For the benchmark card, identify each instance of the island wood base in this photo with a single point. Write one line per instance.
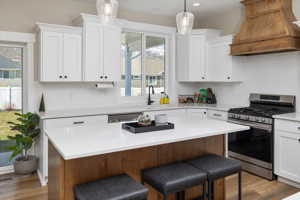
(64, 174)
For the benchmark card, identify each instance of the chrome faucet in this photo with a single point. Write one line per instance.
(149, 97)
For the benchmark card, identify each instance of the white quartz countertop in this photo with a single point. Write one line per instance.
(80, 142)
(128, 109)
(289, 116)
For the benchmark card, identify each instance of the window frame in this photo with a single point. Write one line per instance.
(146, 34)
(23, 47)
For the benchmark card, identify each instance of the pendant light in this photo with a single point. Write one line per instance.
(107, 10)
(185, 21)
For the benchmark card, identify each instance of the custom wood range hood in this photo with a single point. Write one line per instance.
(268, 28)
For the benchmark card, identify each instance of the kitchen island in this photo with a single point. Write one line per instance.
(83, 154)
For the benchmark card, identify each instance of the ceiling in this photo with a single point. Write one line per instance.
(172, 7)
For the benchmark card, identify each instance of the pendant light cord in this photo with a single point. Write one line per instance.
(184, 5)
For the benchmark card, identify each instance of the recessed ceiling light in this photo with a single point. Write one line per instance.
(196, 4)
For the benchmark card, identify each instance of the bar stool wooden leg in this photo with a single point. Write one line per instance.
(240, 185)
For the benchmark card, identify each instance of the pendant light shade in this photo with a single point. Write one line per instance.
(185, 21)
(107, 10)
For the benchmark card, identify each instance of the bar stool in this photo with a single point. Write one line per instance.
(218, 167)
(120, 187)
(174, 178)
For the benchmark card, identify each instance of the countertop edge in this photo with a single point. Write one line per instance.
(65, 157)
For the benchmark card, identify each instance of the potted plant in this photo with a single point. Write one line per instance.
(28, 128)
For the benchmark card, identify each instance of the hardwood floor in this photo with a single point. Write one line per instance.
(254, 188)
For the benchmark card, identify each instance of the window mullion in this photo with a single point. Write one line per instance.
(143, 64)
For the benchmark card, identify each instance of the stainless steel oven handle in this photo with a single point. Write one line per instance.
(252, 124)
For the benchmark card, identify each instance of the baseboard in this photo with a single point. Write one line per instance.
(43, 182)
(289, 182)
(6, 170)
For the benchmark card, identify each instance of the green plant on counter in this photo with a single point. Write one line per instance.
(28, 129)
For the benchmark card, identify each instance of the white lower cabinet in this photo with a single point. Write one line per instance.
(169, 113)
(287, 150)
(215, 114)
(55, 125)
(202, 113)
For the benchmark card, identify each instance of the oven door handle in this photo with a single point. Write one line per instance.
(253, 125)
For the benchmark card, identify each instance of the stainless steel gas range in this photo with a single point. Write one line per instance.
(255, 147)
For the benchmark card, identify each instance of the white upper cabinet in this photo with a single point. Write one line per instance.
(112, 54)
(204, 56)
(60, 53)
(101, 50)
(219, 61)
(191, 55)
(92, 56)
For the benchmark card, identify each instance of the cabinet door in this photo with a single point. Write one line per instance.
(287, 154)
(182, 56)
(112, 54)
(93, 52)
(220, 115)
(51, 56)
(197, 58)
(72, 57)
(219, 61)
(201, 113)
(169, 113)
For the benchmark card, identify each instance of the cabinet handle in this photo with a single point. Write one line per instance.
(101, 77)
(217, 115)
(203, 77)
(299, 140)
(66, 76)
(298, 128)
(228, 78)
(60, 76)
(105, 77)
(80, 122)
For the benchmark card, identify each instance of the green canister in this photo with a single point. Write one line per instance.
(203, 95)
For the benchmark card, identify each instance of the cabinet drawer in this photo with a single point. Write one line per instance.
(177, 112)
(75, 121)
(197, 112)
(289, 126)
(218, 115)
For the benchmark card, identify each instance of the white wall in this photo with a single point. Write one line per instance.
(21, 15)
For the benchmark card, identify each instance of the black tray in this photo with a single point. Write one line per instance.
(136, 128)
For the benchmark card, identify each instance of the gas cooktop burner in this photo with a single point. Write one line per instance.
(262, 108)
(258, 112)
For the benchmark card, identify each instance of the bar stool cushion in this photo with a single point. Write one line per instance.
(173, 178)
(120, 187)
(216, 166)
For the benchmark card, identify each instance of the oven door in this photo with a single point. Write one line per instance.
(254, 145)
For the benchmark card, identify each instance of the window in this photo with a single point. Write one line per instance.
(143, 63)
(11, 66)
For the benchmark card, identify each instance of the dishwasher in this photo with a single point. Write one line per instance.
(127, 117)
